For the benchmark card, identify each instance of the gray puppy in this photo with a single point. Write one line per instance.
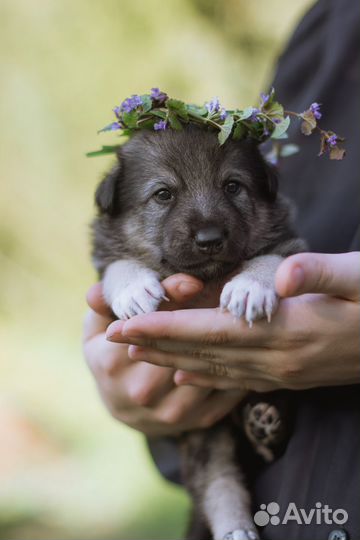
(177, 201)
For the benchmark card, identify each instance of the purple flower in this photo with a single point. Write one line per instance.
(315, 109)
(223, 114)
(160, 126)
(264, 99)
(255, 115)
(114, 126)
(117, 111)
(131, 103)
(158, 95)
(332, 140)
(276, 120)
(213, 106)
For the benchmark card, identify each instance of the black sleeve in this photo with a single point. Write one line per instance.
(321, 464)
(165, 453)
(321, 63)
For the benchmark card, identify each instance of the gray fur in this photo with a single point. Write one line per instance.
(148, 235)
(193, 165)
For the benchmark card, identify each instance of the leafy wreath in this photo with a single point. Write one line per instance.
(269, 120)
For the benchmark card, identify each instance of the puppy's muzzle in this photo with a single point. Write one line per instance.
(210, 240)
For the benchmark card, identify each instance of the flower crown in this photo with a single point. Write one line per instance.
(157, 111)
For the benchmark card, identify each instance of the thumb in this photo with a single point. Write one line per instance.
(180, 288)
(337, 275)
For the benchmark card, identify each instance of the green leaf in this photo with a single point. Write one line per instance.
(130, 118)
(309, 123)
(175, 104)
(280, 137)
(148, 123)
(280, 129)
(179, 107)
(103, 151)
(159, 113)
(226, 129)
(289, 150)
(197, 111)
(256, 131)
(337, 153)
(174, 121)
(146, 102)
(239, 131)
(323, 145)
(127, 132)
(275, 110)
(246, 113)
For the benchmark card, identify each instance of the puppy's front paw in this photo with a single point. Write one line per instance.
(244, 296)
(138, 297)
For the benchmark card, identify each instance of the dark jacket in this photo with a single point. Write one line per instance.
(322, 461)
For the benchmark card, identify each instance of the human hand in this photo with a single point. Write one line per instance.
(142, 395)
(312, 341)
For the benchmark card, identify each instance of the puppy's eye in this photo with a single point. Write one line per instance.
(232, 187)
(163, 195)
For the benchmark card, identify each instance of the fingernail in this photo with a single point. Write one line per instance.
(188, 288)
(181, 377)
(113, 335)
(297, 277)
(135, 352)
(114, 330)
(131, 332)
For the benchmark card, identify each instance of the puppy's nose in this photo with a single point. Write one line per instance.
(209, 239)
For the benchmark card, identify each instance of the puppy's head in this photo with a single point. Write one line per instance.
(181, 202)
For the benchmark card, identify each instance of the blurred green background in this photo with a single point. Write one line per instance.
(67, 470)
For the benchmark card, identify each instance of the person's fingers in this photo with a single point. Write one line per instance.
(203, 380)
(180, 288)
(216, 406)
(180, 403)
(103, 357)
(207, 326)
(242, 384)
(220, 362)
(95, 300)
(94, 324)
(168, 359)
(142, 385)
(336, 275)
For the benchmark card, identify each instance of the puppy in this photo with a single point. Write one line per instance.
(177, 201)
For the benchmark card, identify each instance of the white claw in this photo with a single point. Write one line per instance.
(137, 298)
(244, 296)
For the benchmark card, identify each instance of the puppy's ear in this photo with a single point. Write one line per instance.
(272, 181)
(265, 174)
(107, 193)
(269, 175)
